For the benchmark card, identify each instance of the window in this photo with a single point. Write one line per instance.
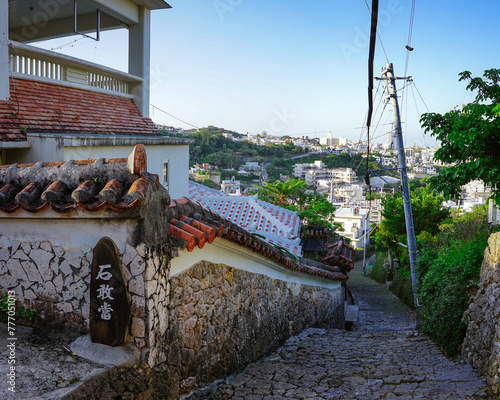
(165, 173)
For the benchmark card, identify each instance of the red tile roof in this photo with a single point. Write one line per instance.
(339, 254)
(120, 184)
(49, 108)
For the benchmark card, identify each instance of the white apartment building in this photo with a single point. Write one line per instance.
(335, 175)
(333, 141)
(313, 173)
(299, 170)
(355, 222)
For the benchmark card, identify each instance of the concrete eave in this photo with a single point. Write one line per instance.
(15, 145)
(77, 140)
(153, 4)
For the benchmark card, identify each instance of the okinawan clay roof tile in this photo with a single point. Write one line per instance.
(33, 188)
(39, 107)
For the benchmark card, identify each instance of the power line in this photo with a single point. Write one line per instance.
(410, 33)
(178, 119)
(408, 47)
(418, 112)
(421, 98)
(331, 130)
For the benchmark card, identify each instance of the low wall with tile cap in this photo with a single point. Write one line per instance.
(481, 346)
(222, 318)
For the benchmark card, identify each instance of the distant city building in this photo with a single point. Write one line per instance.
(333, 141)
(299, 170)
(251, 166)
(231, 187)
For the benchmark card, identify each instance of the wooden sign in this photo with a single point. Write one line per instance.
(109, 305)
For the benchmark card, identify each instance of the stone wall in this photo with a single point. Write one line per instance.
(55, 282)
(222, 318)
(481, 346)
(52, 280)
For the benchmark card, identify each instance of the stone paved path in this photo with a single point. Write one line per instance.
(383, 357)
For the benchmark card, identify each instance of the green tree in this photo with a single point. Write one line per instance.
(470, 138)
(427, 215)
(312, 209)
(281, 193)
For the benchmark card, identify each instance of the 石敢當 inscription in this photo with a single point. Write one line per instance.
(109, 305)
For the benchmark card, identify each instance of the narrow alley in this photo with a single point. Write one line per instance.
(382, 357)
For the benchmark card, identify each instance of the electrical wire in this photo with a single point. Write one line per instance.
(421, 98)
(418, 112)
(69, 44)
(408, 47)
(178, 119)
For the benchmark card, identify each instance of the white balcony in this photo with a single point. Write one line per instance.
(29, 62)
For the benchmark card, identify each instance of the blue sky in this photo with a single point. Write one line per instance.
(296, 68)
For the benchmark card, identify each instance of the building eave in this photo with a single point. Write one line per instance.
(79, 140)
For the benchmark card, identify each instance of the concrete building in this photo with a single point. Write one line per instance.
(299, 170)
(335, 175)
(231, 187)
(330, 140)
(355, 223)
(54, 107)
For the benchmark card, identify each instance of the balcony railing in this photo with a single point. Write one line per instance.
(43, 65)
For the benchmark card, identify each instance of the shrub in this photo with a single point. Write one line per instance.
(381, 271)
(402, 287)
(444, 292)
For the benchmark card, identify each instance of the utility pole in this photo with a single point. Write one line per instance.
(390, 82)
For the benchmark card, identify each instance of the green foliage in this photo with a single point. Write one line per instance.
(381, 271)
(444, 292)
(419, 182)
(312, 209)
(211, 146)
(427, 215)
(470, 138)
(402, 287)
(466, 226)
(448, 269)
(282, 194)
(27, 313)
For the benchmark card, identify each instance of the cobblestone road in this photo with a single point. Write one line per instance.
(383, 357)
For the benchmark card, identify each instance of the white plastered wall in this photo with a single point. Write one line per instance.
(224, 252)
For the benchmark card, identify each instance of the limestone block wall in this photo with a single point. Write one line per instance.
(157, 296)
(55, 282)
(51, 279)
(222, 318)
(481, 346)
